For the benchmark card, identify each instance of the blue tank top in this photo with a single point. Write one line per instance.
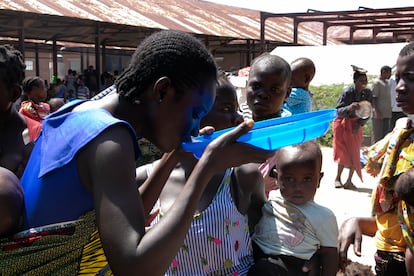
(52, 186)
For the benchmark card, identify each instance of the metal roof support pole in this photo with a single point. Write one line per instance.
(374, 35)
(249, 52)
(351, 35)
(54, 57)
(394, 37)
(295, 31)
(262, 31)
(82, 65)
(37, 59)
(98, 57)
(103, 56)
(21, 35)
(325, 33)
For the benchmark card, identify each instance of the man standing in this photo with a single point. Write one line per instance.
(381, 121)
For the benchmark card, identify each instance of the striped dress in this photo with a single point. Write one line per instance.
(217, 242)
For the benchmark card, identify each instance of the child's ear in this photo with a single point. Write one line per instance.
(289, 89)
(307, 78)
(16, 92)
(273, 173)
(162, 87)
(320, 178)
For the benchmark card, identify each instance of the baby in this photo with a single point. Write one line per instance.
(293, 227)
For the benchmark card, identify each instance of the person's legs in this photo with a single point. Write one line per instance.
(348, 184)
(338, 183)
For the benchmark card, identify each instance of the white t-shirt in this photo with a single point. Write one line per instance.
(294, 230)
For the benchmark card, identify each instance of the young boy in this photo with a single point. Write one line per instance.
(267, 89)
(293, 227)
(300, 98)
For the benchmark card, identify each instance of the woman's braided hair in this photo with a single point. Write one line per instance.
(30, 82)
(173, 54)
(12, 66)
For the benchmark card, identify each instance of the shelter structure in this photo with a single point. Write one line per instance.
(96, 28)
(104, 33)
(362, 26)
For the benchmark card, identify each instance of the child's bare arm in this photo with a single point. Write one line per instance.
(409, 261)
(329, 260)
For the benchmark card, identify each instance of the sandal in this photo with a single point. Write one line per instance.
(338, 184)
(350, 186)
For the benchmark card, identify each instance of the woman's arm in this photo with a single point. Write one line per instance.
(120, 209)
(351, 232)
(251, 195)
(409, 261)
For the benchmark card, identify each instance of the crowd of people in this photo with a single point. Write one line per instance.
(73, 199)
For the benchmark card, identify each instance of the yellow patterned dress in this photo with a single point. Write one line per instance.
(390, 157)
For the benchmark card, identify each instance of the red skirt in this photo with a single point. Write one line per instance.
(347, 143)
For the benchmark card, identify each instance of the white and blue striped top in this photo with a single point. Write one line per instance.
(217, 242)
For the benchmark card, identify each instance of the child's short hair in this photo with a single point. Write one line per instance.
(307, 64)
(279, 64)
(311, 146)
(12, 66)
(223, 83)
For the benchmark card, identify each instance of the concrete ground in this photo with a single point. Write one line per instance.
(347, 203)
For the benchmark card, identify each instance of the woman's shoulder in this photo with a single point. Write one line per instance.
(348, 89)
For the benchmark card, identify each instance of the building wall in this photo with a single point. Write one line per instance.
(81, 58)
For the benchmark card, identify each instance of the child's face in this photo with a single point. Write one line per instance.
(266, 91)
(298, 175)
(404, 77)
(224, 112)
(38, 93)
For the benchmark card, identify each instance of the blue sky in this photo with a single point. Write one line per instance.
(278, 6)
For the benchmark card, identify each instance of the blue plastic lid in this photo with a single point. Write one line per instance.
(274, 133)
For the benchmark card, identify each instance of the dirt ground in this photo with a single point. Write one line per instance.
(347, 203)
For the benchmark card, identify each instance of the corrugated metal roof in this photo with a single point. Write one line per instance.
(123, 23)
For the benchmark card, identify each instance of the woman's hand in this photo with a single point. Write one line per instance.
(224, 152)
(351, 232)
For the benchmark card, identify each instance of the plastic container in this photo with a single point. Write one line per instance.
(364, 110)
(274, 133)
